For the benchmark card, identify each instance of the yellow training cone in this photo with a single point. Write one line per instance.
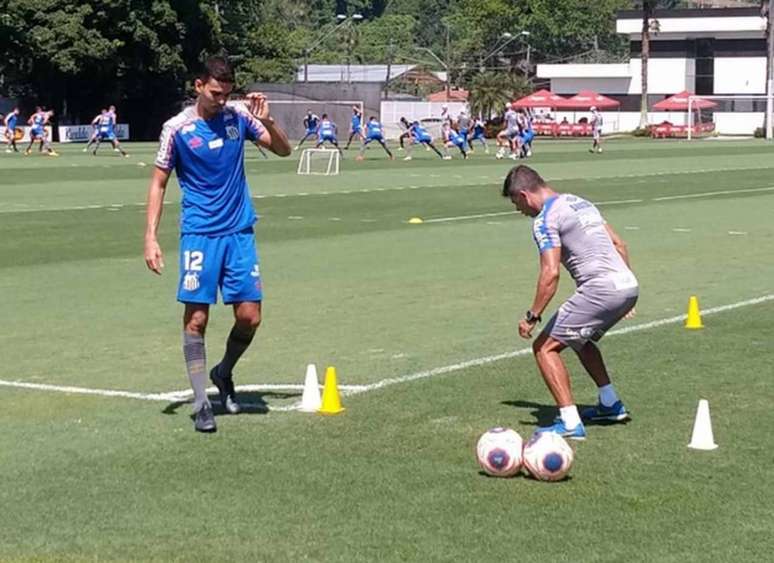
(694, 316)
(331, 402)
(416, 221)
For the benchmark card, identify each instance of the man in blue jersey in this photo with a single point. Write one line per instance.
(478, 133)
(356, 128)
(326, 133)
(95, 129)
(106, 131)
(420, 135)
(37, 123)
(311, 123)
(374, 132)
(10, 122)
(451, 138)
(204, 145)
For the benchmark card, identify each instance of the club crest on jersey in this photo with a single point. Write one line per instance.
(232, 133)
(195, 142)
(191, 281)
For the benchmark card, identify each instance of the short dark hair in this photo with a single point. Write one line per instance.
(520, 178)
(325, 116)
(217, 67)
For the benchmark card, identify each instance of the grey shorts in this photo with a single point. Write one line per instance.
(589, 313)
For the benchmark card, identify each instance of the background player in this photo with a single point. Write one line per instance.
(95, 129)
(452, 139)
(37, 123)
(326, 132)
(311, 122)
(204, 144)
(10, 129)
(420, 135)
(374, 132)
(356, 126)
(596, 130)
(571, 231)
(107, 132)
(505, 138)
(406, 135)
(478, 133)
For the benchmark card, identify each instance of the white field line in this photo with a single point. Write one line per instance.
(441, 185)
(357, 389)
(612, 202)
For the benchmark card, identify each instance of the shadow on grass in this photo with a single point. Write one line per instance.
(252, 402)
(544, 415)
(527, 476)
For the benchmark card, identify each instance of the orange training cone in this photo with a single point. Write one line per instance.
(694, 316)
(331, 402)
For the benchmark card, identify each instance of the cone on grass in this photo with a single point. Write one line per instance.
(331, 402)
(310, 401)
(702, 438)
(694, 316)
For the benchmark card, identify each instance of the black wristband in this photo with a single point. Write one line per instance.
(532, 318)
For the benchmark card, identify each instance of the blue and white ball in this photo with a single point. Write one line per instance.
(548, 456)
(499, 452)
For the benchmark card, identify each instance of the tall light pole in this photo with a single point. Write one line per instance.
(770, 72)
(342, 19)
(354, 18)
(509, 37)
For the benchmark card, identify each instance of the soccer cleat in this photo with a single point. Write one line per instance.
(616, 412)
(447, 157)
(204, 420)
(558, 427)
(407, 158)
(226, 390)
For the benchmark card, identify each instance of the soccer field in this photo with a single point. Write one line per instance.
(420, 322)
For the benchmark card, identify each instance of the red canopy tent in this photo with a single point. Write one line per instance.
(541, 99)
(679, 102)
(586, 99)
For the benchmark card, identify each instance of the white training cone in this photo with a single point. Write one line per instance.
(702, 438)
(310, 401)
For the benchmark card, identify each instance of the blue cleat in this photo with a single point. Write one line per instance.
(616, 412)
(558, 427)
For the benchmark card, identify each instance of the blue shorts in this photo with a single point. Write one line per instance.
(106, 135)
(310, 132)
(378, 138)
(425, 139)
(229, 262)
(329, 138)
(37, 133)
(526, 137)
(478, 135)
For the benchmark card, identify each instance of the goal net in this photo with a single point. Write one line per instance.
(740, 115)
(290, 114)
(319, 162)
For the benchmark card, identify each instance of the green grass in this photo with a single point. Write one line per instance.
(348, 282)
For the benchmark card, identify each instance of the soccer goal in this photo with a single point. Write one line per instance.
(319, 162)
(725, 115)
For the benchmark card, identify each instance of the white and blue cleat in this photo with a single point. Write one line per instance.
(615, 413)
(558, 427)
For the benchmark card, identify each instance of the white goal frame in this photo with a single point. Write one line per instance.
(305, 162)
(693, 97)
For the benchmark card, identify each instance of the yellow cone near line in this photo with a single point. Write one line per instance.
(331, 402)
(416, 221)
(694, 316)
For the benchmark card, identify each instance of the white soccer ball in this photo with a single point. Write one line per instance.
(499, 452)
(548, 456)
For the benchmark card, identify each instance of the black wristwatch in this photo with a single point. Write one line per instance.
(532, 318)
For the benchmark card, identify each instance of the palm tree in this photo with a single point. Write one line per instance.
(490, 91)
(648, 10)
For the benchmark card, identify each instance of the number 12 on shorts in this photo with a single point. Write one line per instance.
(192, 260)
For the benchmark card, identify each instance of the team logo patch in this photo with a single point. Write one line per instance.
(191, 282)
(232, 133)
(215, 144)
(256, 273)
(195, 142)
(189, 128)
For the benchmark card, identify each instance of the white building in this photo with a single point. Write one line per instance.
(706, 51)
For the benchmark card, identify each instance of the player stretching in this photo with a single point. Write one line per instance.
(570, 230)
(107, 132)
(37, 123)
(596, 130)
(374, 132)
(478, 134)
(463, 126)
(95, 129)
(10, 129)
(420, 135)
(311, 121)
(327, 132)
(406, 135)
(204, 144)
(356, 127)
(526, 135)
(452, 139)
(506, 137)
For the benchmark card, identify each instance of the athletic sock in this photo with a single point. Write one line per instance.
(607, 395)
(196, 365)
(236, 344)
(570, 416)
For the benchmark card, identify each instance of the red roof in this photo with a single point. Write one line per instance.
(679, 102)
(455, 95)
(540, 99)
(586, 99)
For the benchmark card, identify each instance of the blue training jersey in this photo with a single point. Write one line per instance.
(356, 122)
(208, 157)
(38, 120)
(374, 129)
(311, 122)
(327, 129)
(419, 132)
(12, 119)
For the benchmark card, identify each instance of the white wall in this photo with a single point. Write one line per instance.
(665, 76)
(738, 123)
(391, 112)
(690, 25)
(740, 75)
(571, 86)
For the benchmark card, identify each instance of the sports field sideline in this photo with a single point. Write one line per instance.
(420, 322)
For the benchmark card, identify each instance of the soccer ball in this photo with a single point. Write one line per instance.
(548, 456)
(499, 452)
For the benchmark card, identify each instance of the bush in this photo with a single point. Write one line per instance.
(641, 132)
(760, 133)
